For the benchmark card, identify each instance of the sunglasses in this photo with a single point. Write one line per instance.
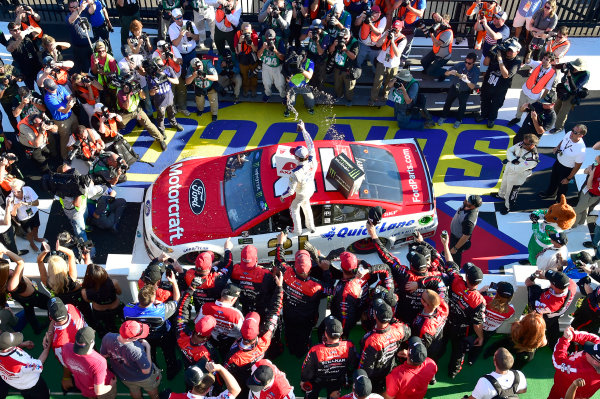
(469, 63)
(528, 144)
(548, 7)
(178, 18)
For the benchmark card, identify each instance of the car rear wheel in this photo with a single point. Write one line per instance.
(190, 258)
(365, 246)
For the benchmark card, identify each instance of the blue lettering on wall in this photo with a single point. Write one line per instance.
(243, 132)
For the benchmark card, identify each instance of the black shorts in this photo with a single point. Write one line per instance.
(31, 223)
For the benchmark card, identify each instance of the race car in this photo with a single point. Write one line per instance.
(197, 203)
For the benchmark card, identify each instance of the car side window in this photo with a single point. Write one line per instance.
(344, 213)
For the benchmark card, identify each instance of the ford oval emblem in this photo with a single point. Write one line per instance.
(197, 196)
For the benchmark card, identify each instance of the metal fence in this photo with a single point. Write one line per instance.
(582, 16)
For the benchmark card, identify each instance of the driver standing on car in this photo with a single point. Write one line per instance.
(302, 183)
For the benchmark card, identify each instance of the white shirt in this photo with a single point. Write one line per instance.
(485, 390)
(4, 229)
(302, 179)
(533, 64)
(137, 61)
(176, 55)
(25, 212)
(387, 60)
(187, 44)
(19, 369)
(548, 258)
(570, 153)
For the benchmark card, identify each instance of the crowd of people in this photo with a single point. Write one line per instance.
(227, 319)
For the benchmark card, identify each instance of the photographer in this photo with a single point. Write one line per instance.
(103, 65)
(160, 79)
(24, 52)
(110, 168)
(9, 78)
(52, 48)
(139, 42)
(337, 19)
(128, 105)
(204, 19)
(316, 49)
(298, 70)
(343, 52)
(442, 37)
(272, 54)
(79, 33)
(86, 145)
(463, 80)
(26, 17)
(409, 12)
(246, 48)
(540, 116)
(495, 33)
(299, 16)
(392, 44)
(184, 36)
(60, 104)
(559, 45)
(129, 11)
(570, 90)
(27, 103)
(204, 75)
(171, 56)
(405, 95)
(538, 84)
(497, 80)
(227, 19)
(57, 71)
(97, 14)
(482, 10)
(88, 92)
(372, 24)
(165, 16)
(33, 135)
(276, 15)
(229, 74)
(541, 25)
(105, 123)
(132, 64)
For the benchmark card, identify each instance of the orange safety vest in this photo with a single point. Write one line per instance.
(437, 48)
(25, 121)
(61, 78)
(246, 49)
(537, 85)
(220, 16)
(348, 2)
(170, 62)
(32, 22)
(83, 90)
(486, 10)
(88, 147)
(409, 16)
(111, 130)
(552, 45)
(386, 44)
(365, 30)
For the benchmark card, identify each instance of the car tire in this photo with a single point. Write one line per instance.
(365, 246)
(189, 259)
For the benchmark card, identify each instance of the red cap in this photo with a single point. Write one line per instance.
(375, 8)
(349, 261)
(204, 260)
(250, 326)
(398, 24)
(249, 256)
(134, 329)
(205, 325)
(303, 263)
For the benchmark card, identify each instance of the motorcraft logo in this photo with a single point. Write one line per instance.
(197, 196)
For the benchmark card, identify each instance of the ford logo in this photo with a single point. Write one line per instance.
(197, 196)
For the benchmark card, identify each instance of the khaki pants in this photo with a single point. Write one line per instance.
(523, 99)
(235, 80)
(65, 129)
(248, 84)
(213, 99)
(180, 93)
(562, 109)
(382, 77)
(143, 120)
(344, 84)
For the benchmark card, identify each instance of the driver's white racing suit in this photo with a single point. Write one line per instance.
(515, 174)
(302, 182)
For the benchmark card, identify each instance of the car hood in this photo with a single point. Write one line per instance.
(189, 197)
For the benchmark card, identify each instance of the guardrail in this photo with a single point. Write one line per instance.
(581, 16)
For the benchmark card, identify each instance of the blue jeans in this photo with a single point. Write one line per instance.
(78, 224)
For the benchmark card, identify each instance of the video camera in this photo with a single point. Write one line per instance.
(120, 81)
(154, 71)
(503, 47)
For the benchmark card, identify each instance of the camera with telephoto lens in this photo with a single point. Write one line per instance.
(74, 153)
(271, 44)
(65, 239)
(253, 73)
(248, 38)
(392, 32)
(228, 60)
(154, 71)
(503, 47)
(398, 83)
(341, 41)
(368, 14)
(275, 11)
(86, 80)
(189, 27)
(331, 21)
(567, 67)
(227, 9)
(315, 34)
(298, 5)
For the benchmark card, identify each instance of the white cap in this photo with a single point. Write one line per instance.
(501, 15)
(301, 152)
(160, 43)
(98, 107)
(176, 13)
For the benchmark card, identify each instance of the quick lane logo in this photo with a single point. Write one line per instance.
(197, 196)
(416, 195)
(174, 186)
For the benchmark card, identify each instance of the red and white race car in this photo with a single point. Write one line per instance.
(197, 203)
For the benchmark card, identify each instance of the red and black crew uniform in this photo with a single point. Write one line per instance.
(302, 295)
(350, 293)
(255, 281)
(194, 343)
(387, 295)
(328, 365)
(467, 313)
(429, 326)
(213, 278)
(256, 338)
(268, 382)
(551, 302)
(380, 346)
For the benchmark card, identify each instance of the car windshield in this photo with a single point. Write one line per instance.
(244, 197)
(382, 179)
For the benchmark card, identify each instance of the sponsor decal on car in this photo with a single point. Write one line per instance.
(197, 196)
(416, 195)
(362, 231)
(174, 222)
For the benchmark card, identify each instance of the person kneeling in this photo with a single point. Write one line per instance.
(407, 105)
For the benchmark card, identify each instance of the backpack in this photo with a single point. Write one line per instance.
(510, 393)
